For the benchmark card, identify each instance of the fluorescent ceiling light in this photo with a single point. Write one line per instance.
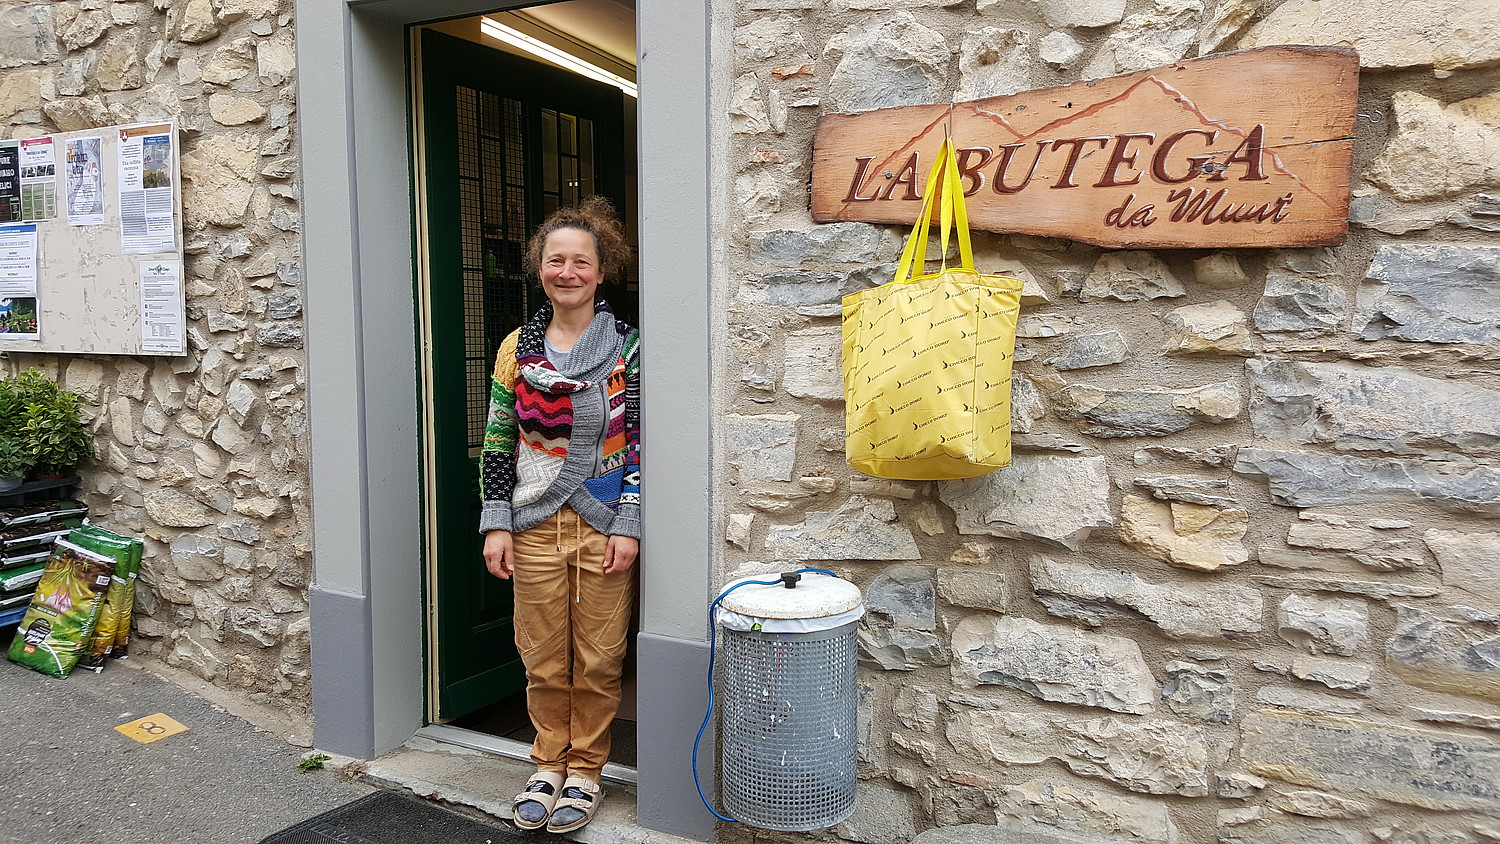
(547, 52)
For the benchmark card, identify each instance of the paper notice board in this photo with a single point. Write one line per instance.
(91, 242)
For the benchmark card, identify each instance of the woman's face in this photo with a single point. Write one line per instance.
(570, 268)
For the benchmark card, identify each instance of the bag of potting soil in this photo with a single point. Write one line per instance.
(11, 600)
(123, 550)
(21, 577)
(121, 647)
(25, 557)
(57, 625)
(44, 512)
(18, 540)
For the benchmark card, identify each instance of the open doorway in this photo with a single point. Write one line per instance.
(502, 137)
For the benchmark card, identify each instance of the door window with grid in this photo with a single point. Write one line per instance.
(498, 293)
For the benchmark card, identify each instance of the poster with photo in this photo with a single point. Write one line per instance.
(18, 319)
(146, 200)
(38, 179)
(10, 182)
(83, 175)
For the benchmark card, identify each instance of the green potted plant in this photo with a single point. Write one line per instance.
(15, 457)
(51, 426)
(15, 461)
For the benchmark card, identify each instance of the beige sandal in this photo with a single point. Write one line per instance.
(582, 797)
(542, 789)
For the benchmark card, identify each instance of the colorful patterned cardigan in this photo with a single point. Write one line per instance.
(543, 445)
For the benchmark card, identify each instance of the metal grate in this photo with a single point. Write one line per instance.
(492, 222)
(787, 727)
(389, 817)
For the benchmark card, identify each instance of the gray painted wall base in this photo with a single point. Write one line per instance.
(344, 670)
(673, 688)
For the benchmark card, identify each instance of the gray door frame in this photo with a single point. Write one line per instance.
(368, 665)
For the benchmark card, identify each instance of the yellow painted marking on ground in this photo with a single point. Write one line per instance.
(151, 728)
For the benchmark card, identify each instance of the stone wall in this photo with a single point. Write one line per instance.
(205, 455)
(1238, 583)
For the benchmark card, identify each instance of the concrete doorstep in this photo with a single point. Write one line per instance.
(486, 783)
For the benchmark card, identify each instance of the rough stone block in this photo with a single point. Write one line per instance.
(834, 243)
(1161, 34)
(811, 369)
(1454, 33)
(891, 61)
(1431, 294)
(993, 62)
(1469, 561)
(1050, 498)
(1196, 691)
(1355, 407)
(903, 595)
(1439, 151)
(28, 34)
(1056, 811)
(1130, 277)
(882, 815)
(984, 590)
(1191, 611)
(802, 288)
(1423, 768)
(769, 38)
(1217, 328)
(764, 448)
(1311, 479)
(1256, 827)
(1185, 535)
(1146, 412)
(1219, 270)
(1104, 348)
(862, 529)
(1300, 307)
(171, 508)
(1209, 492)
(917, 709)
(1335, 674)
(1453, 650)
(1053, 663)
(893, 649)
(1308, 703)
(1323, 625)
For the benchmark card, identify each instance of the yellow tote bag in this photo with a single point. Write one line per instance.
(927, 359)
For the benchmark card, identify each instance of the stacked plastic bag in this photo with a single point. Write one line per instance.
(26, 537)
(81, 608)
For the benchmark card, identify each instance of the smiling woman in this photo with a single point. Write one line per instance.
(561, 477)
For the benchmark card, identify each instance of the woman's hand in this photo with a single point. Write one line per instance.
(500, 555)
(620, 553)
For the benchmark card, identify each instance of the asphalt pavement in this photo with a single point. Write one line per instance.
(67, 775)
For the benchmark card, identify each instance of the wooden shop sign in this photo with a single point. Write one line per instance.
(1245, 149)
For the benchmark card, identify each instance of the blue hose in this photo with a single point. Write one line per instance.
(712, 640)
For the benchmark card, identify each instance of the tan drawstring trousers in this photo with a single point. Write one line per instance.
(572, 622)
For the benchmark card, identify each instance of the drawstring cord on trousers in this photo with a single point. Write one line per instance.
(577, 555)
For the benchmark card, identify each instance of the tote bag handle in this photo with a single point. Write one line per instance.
(946, 186)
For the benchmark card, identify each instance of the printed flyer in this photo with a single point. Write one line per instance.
(18, 260)
(10, 182)
(146, 200)
(84, 179)
(161, 306)
(38, 179)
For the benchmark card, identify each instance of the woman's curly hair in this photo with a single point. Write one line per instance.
(596, 216)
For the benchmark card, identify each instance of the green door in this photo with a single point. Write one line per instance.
(504, 141)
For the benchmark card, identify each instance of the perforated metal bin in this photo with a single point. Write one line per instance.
(786, 685)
